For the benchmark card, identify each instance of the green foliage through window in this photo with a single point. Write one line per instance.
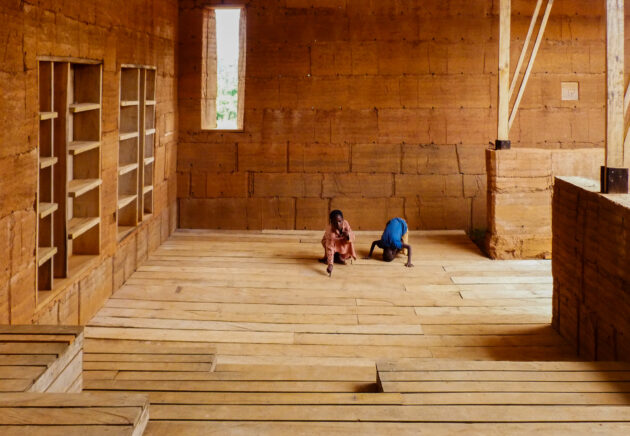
(227, 67)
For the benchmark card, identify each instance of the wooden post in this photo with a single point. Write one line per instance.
(615, 174)
(503, 129)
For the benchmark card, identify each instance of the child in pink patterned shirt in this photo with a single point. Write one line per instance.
(338, 241)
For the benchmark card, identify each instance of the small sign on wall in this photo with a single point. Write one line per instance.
(570, 91)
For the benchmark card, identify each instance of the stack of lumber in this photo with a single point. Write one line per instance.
(73, 414)
(41, 358)
(591, 249)
(41, 378)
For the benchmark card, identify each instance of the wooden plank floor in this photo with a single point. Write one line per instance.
(243, 332)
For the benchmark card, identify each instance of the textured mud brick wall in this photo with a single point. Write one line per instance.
(379, 107)
(130, 31)
(520, 186)
(591, 278)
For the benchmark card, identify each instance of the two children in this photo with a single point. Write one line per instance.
(338, 241)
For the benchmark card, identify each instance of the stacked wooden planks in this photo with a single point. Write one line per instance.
(41, 358)
(41, 379)
(73, 414)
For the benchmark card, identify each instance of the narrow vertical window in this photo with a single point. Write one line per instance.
(223, 69)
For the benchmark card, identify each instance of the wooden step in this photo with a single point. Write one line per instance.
(42, 358)
(126, 103)
(149, 160)
(150, 132)
(78, 187)
(78, 226)
(73, 414)
(45, 162)
(46, 209)
(147, 189)
(78, 147)
(150, 102)
(268, 428)
(45, 254)
(83, 107)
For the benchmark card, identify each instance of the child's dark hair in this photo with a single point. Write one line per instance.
(334, 213)
(388, 254)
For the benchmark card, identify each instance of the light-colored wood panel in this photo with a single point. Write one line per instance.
(377, 413)
(44, 254)
(191, 428)
(78, 226)
(46, 162)
(84, 107)
(227, 386)
(78, 187)
(77, 147)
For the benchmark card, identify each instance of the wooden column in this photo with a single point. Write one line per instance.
(614, 175)
(503, 129)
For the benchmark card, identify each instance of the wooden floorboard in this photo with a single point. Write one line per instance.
(244, 333)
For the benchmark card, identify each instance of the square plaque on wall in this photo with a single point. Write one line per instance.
(570, 91)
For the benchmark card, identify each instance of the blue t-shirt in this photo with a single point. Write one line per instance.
(394, 231)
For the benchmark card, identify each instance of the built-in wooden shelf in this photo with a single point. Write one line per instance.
(78, 187)
(44, 254)
(126, 200)
(46, 209)
(45, 162)
(78, 226)
(78, 147)
(48, 115)
(127, 135)
(122, 170)
(75, 108)
(69, 194)
(136, 146)
(47, 194)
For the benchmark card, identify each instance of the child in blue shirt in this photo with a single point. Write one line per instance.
(393, 241)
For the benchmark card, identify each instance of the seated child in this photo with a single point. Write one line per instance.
(393, 241)
(338, 241)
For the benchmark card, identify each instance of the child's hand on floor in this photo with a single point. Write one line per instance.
(409, 264)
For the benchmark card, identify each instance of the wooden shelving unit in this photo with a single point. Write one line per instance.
(149, 140)
(128, 150)
(136, 146)
(46, 200)
(84, 159)
(69, 193)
